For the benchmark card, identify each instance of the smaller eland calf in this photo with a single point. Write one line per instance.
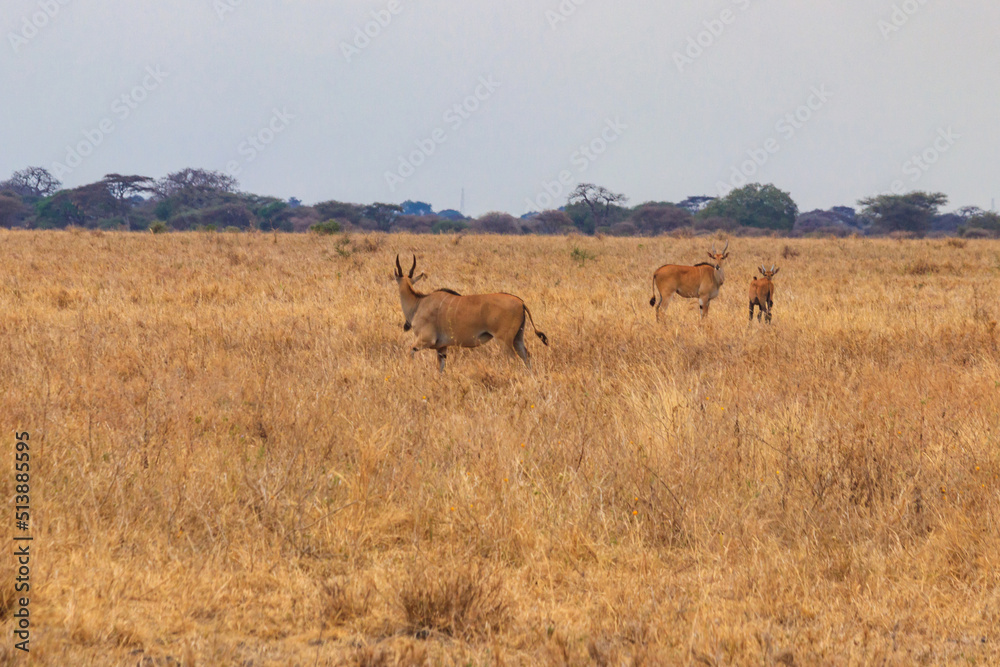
(762, 293)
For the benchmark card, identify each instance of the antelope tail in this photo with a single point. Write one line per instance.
(545, 339)
(652, 301)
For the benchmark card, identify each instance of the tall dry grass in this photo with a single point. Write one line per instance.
(237, 462)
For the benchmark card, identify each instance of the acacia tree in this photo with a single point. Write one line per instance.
(655, 218)
(984, 221)
(913, 212)
(273, 213)
(694, 204)
(83, 206)
(338, 210)
(383, 215)
(598, 199)
(94, 202)
(58, 211)
(552, 222)
(496, 222)
(123, 188)
(32, 182)
(411, 207)
(755, 205)
(196, 188)
(968, 212)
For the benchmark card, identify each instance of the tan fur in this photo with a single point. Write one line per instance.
(443, 319)
(762, 293)
(701, 281)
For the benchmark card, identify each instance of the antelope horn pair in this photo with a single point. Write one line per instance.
(399, 269)
(723, 250)
(762, 268)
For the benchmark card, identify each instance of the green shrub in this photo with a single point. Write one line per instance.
(328, 227)
(581, 256)
(158, 227)
(344, 248)
(448, 226)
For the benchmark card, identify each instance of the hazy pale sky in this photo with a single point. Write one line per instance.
(657, 99)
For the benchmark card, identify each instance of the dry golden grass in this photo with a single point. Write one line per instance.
(237, 462)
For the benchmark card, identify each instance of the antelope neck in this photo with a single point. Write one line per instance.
(409, 298)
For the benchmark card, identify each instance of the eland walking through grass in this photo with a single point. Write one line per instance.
(762, 293)
(701, 281)
(445, 318)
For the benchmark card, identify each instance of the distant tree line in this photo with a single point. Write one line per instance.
(199, 199)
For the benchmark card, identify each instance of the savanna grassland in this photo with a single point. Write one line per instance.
(236, 462)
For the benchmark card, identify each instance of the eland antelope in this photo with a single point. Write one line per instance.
(701, 280)
(762, 293)
(444, 318)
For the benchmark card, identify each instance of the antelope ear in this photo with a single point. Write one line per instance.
(776, 272)
(725, 256)
(419, 278)
(711, 255)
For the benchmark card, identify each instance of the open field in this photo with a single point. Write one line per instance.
(235, 460)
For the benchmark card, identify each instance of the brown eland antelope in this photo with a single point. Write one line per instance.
(701, 280)
(762, 293)
(444, 318)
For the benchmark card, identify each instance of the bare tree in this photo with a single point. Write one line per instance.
(32, 182)
(598, 199)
